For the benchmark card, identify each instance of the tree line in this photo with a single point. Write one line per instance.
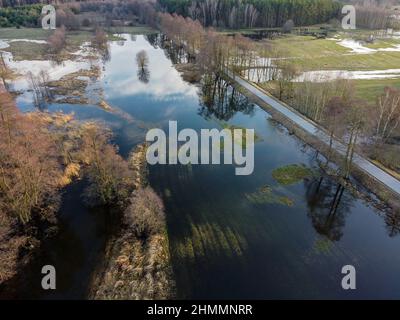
(234, 14)
(363, 127)
(371, 128)
(254, 13)
(26, 15)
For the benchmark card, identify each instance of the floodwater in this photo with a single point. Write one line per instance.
(229, 238)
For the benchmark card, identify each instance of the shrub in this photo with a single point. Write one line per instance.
(146, 213)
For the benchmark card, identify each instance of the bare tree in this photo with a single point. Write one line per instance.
(145, 214)
(99, 40)
(387, 114)
(333, 121)
(57, 41)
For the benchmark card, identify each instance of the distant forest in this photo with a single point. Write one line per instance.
(26, 15)
(216, 13)
(254, 13)
(232, 14)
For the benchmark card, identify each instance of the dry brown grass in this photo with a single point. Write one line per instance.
(138, 262)
(10, 245)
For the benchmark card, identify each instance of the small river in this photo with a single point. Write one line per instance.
(223, 243)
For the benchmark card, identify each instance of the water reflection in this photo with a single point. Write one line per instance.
(176, 53)
(121, 73)
(105, 53)
(328, 206)
(392, 220)
(142, 60)
(222, 245)
(221, 100)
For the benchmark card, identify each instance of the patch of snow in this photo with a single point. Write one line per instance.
(28, 40)
(3, 44)
(329, 75)
(358, 47)
(355, 46)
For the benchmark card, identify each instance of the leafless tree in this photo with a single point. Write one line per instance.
(57, 40)
(387, 114)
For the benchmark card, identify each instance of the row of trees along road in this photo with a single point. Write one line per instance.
(360, 125)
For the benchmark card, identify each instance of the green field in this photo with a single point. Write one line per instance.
(24, 33)
(306, 47)
(319, 54)
(310, 54)
(370, 90)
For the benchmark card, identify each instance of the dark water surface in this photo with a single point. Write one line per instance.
(223, 245)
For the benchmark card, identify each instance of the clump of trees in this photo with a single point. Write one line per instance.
(385, 130)
(387, 114)
(40, 154)
(29, 169)
(66, 16)
(110, 178)
(21, 15)
(115, 12)
(212, 51)
(40, 89)
(145, 214)
(311, 98)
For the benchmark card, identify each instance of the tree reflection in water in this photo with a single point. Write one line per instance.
(221, 100)
(155, 40)
(392, 220)
(328, 205)
(142, 60)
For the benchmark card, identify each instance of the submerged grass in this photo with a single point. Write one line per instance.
(239, 142)
(268, 195)
(291, 174)
(206, 239)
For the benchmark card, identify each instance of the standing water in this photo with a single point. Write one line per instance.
(230, 236)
